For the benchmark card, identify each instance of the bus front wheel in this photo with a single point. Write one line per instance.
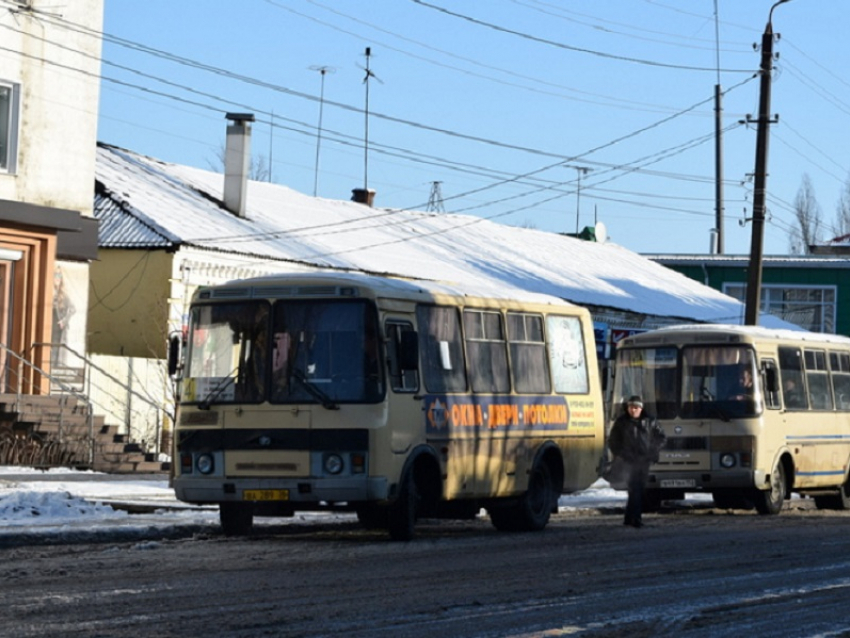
(770, 501)
(237, 519)
(402, 514)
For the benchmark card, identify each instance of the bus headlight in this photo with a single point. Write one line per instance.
(333, 464)
(727, 460)
(205, 463)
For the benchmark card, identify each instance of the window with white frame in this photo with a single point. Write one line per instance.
(810, 307)
(9, 99)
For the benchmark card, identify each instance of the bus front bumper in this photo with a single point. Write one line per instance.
(294, 491)
(703, 481)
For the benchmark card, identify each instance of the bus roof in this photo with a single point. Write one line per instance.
(724, 331)
(393, 287)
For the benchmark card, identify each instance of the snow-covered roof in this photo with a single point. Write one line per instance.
(146, 203)
(759, 332)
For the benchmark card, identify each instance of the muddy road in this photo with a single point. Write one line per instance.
(689, 572)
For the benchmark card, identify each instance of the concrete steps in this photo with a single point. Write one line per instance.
(55, 430)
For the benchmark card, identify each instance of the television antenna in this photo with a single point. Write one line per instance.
(369, 75)
(323, 70)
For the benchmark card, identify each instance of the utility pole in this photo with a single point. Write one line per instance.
(718, 141)
(751, 313)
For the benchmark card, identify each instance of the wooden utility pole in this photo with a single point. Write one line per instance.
(751, 314)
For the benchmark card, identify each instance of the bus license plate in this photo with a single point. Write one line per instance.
(265, 495)
(678, 483)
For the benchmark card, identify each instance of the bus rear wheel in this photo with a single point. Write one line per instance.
(237, 519)
(838, 501)
(531, 513)
(770, 501)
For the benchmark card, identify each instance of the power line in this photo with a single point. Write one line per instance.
(561, 45)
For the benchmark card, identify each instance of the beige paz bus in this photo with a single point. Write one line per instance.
(751, 414)
(391, 398)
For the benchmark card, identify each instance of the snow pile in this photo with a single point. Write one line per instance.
(23, 507)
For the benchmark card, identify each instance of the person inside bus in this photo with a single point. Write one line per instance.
(791, 395)
(744, 390)
(636, 439)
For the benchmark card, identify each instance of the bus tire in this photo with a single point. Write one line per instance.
(402, 514)
(531, 513)
(237, 519)
(838, 501)
(770, 501)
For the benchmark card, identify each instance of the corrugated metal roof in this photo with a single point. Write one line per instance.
(120, 228)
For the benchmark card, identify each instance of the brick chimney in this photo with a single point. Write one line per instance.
(237, 162)
(363, 196)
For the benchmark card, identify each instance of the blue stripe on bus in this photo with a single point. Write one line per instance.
(836, 473)
(839, 437)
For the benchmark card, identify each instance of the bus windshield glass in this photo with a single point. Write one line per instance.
(651, 374)
(719, 381)
(296, 351)
(715, 381)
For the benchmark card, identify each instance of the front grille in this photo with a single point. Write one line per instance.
(687, 443)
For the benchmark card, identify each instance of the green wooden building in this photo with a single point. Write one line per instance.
(812, 291)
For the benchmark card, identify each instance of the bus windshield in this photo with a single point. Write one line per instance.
(296, 351)
(701, 381)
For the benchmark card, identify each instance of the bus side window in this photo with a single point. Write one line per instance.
(794, 394)
(401, 353)
(438, 324)
(839, 364)
(771, 383)
(817, 380)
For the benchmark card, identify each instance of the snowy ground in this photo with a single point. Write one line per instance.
(64, 502)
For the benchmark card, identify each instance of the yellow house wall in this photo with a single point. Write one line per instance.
(128, 303)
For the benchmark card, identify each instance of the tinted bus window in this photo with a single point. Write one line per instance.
(400, 380)
(817, 379)
(793, 387)
(529, 366)
(839, 362)
(441, 349)
(485, 351)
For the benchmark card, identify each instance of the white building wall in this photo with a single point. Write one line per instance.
(134, 394)
(58, 72)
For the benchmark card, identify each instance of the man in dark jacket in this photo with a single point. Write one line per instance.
(636, 438)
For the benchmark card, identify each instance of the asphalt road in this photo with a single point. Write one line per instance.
(689, 572)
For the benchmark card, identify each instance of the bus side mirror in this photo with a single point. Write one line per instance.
(173, 355)
(770, 380)
(408, 352)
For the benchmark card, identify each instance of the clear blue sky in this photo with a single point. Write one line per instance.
(498, 101)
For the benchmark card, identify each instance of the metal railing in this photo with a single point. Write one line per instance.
(86, 369)
(16, 448)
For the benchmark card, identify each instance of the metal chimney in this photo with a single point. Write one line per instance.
(237, 162)
(363, 196)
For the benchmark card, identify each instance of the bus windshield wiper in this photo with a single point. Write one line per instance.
(204, 404)
(314, 391)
